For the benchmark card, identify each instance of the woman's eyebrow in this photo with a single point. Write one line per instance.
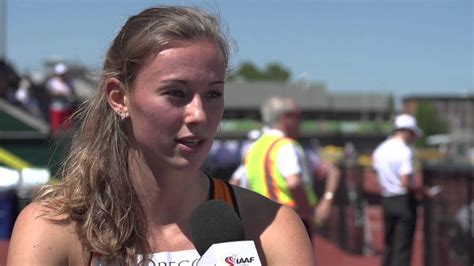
(217, 82)
(184, 82)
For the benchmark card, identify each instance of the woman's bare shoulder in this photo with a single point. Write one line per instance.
(251, 203)
(261, 209)
(274, 228)
(38, 239)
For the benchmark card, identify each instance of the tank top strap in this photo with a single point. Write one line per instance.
(221, 190)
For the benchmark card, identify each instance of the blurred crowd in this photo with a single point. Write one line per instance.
(51, 98)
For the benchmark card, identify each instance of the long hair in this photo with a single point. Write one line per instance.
(96, 191)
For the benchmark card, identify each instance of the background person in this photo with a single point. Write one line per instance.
(9, 80)
(62, 99)
(133, 178)
(322, 170)
(276, 165)
(25, 95)
(224, 156)
(239, 176)
(393, 162)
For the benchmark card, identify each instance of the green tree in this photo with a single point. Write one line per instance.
(272, 72)
(277, 72)
(429, 121)
(250, 72)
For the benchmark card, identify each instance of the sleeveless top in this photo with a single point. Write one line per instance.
(218, 190)
(263, 174)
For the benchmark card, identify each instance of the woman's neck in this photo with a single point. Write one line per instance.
(171, 196)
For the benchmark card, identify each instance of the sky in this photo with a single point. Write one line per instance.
(404, 47)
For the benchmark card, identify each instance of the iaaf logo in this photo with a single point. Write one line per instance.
(234, 260)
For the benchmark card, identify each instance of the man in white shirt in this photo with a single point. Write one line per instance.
(393, 162)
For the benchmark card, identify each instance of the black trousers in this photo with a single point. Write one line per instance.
(400, 221)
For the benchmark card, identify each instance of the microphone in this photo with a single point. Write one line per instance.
(218, 235)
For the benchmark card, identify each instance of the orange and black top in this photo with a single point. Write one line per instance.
(221, 190)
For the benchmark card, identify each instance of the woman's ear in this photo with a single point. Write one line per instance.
(117, 97)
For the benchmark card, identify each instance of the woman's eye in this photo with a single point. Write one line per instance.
(175, 93)
(214, 94)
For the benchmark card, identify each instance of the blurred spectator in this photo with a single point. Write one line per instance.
(350, 152)
(319, 168)
(9, 80)
(62, 99)
(458, 231)
(224, 157)
(252, 136)
(276, 164)
(462, 217)
(239, 177)
(393, 162)
(25, 96)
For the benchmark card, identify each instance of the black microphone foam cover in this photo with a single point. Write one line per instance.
(214, 222)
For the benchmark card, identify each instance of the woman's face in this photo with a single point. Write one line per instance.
(176, 104)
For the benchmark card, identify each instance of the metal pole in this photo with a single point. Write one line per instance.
(3, 28)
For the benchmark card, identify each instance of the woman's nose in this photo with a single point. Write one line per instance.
(195, 112)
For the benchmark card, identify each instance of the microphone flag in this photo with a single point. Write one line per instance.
(243, 253)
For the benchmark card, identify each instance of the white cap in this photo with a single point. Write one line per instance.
(406, 121)
(60, 68)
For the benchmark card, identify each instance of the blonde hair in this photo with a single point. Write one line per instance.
(96, 192)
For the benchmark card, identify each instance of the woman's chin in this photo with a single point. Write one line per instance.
(186, 163)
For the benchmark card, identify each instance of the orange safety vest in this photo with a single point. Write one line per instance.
(263, 174)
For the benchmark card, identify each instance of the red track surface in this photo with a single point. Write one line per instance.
(3, 252)
(329, 253)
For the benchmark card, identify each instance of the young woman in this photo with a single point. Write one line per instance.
(133, 176)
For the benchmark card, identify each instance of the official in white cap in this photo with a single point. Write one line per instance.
(406, 121)
(60, 69)
(61, 92)
(393, 162)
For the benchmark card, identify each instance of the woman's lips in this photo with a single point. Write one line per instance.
(191, 144)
